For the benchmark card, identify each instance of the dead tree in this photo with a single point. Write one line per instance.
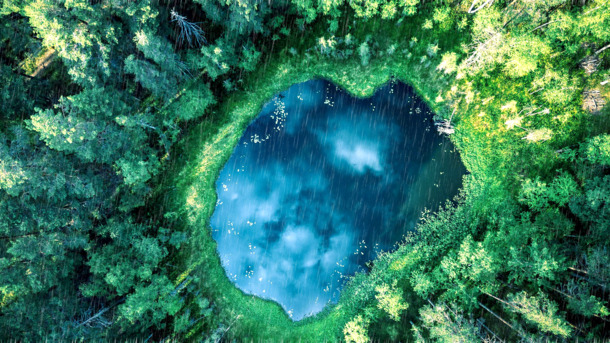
(445, 126)
(189, 32)
(590, 64)
(593, 101)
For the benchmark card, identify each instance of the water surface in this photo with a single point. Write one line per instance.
(320, 182)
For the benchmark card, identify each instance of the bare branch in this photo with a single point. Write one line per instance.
(471, 11)
(545, 24)
(497, 316)
(99, 314)
(602, 49)
(191, 32)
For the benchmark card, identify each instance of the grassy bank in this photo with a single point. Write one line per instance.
(211, 142)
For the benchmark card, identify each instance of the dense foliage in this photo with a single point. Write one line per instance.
(116, 117)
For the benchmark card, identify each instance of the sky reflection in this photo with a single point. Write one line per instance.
(320, 182)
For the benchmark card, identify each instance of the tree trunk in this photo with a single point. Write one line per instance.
(602, 49)
(100, 312)
(471, 11)
(497, 316)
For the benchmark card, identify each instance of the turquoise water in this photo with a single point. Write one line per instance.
(322, 181)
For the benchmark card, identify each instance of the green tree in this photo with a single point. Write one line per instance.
(365, 53)
(540, 311)
(81, 34)
(356, 330)
(390, 300)
(446, 324)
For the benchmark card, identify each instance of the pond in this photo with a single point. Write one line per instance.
(321, 182)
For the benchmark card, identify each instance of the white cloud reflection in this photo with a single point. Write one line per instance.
(275, 240)
(359, 156)
(360, 143)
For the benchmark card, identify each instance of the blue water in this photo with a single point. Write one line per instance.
(320, 182)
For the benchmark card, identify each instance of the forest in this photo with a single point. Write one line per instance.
(116, 117)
